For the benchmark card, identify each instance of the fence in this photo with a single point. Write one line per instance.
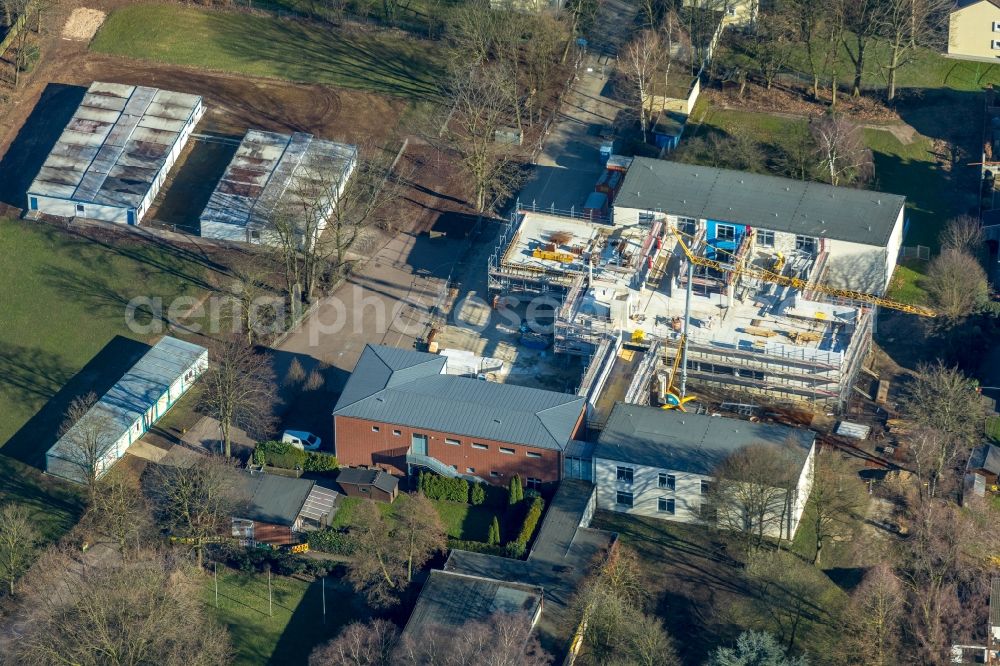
(921, 252)
(15, 30)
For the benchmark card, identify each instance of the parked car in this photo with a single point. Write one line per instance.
(301, 439)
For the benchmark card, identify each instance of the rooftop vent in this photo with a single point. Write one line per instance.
(497, 421)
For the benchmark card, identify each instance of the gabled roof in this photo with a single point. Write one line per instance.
(693, 443)
(407, 388)
(985, 457)
(768, 202)
(356, 476)
(962, 4)
(273, 499)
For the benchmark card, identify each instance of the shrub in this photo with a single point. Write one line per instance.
(531, 519)
(477, 547)
(494, 535)
(516, 491)
(438, 487)
(317, 461)
(336, 542)
(514, 549)
(286, 456)
(477, 494)
(296, 374)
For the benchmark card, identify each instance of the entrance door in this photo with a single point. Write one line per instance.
(131, 216)
(33, 203)
(418, 444)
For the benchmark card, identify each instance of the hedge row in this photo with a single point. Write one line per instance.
(531, 519)
(249, 560)
(284, 455)
(437, 487)
(476, 547)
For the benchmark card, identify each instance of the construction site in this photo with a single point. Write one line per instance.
(661, 314)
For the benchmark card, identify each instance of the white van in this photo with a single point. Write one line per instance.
(301, 439)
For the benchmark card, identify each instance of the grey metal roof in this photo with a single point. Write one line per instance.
(356, 476)
(133, 394)
(405, 387)
(270, 168)
(115, 145)
(768, 202)
(272, 498)
(995, 602)
(694, 443)
(449, 600)
(562, 521)
(319, 503)
(985, 457)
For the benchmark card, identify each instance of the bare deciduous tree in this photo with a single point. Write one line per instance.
(479, 102)
(141, 611)
(861, 27)
(840, 147)
(639, 64)
(391, 550)
(504, 639)
(905, 25)
(964, 234)
(196, 502)
(956, 284)
(238, 390)
(359, 644)
(120, 511)
(249, 291)
(772, 44)
(87, 434)
(18, 539)
(837, 497)
(875, 618)
(754, 491)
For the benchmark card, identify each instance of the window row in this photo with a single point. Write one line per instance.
(476, 445)
(664, 480)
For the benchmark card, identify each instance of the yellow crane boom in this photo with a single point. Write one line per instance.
(797, 283)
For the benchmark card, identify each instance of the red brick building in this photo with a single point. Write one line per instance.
(400, 410)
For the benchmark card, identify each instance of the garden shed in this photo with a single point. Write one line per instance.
(114, 153)
(122, 415)
(374, 484)
(279, 507)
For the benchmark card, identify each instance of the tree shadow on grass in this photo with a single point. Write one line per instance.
(30, 443)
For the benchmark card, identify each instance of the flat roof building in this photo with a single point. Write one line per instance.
(271, 171)
(129, 409)
(114, 154)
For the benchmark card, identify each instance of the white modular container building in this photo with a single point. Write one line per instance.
(114, 154)
(271, 171)
(128, 410)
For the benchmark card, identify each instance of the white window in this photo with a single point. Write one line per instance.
(470, 470)
(687, 225)
(254, 235)
(625, 474)
(806, 244)
(80, 209)
(725, 232)
(996, 28)
(668, 481)
(533, 454)
(481, 447)
(495, 474)
(623, 498)
(453, 442)
(508, 451)
(397, 433)
(646, 217)
(706, 487)
(534, 482)
(375, 428)
(665, 505)
(994, 43)
(765, 238)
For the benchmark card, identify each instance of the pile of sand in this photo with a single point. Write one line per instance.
(82, 24)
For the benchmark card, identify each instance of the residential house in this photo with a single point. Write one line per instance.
(279, 508)
(974, 30)
(661, 463)
(400, 410)
(373, 484)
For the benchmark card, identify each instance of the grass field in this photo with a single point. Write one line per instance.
(461, 521)
(700, 589)
(64, 302)
(296, 624)
(264, 46)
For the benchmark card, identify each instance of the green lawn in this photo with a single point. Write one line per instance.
(993, 428)
(296, 624)
(466, 522)
(264, 46)
(65, 300)
(461, 521)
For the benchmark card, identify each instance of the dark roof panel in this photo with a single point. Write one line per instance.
(694, 443)
(273, 499)
(769, 202)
